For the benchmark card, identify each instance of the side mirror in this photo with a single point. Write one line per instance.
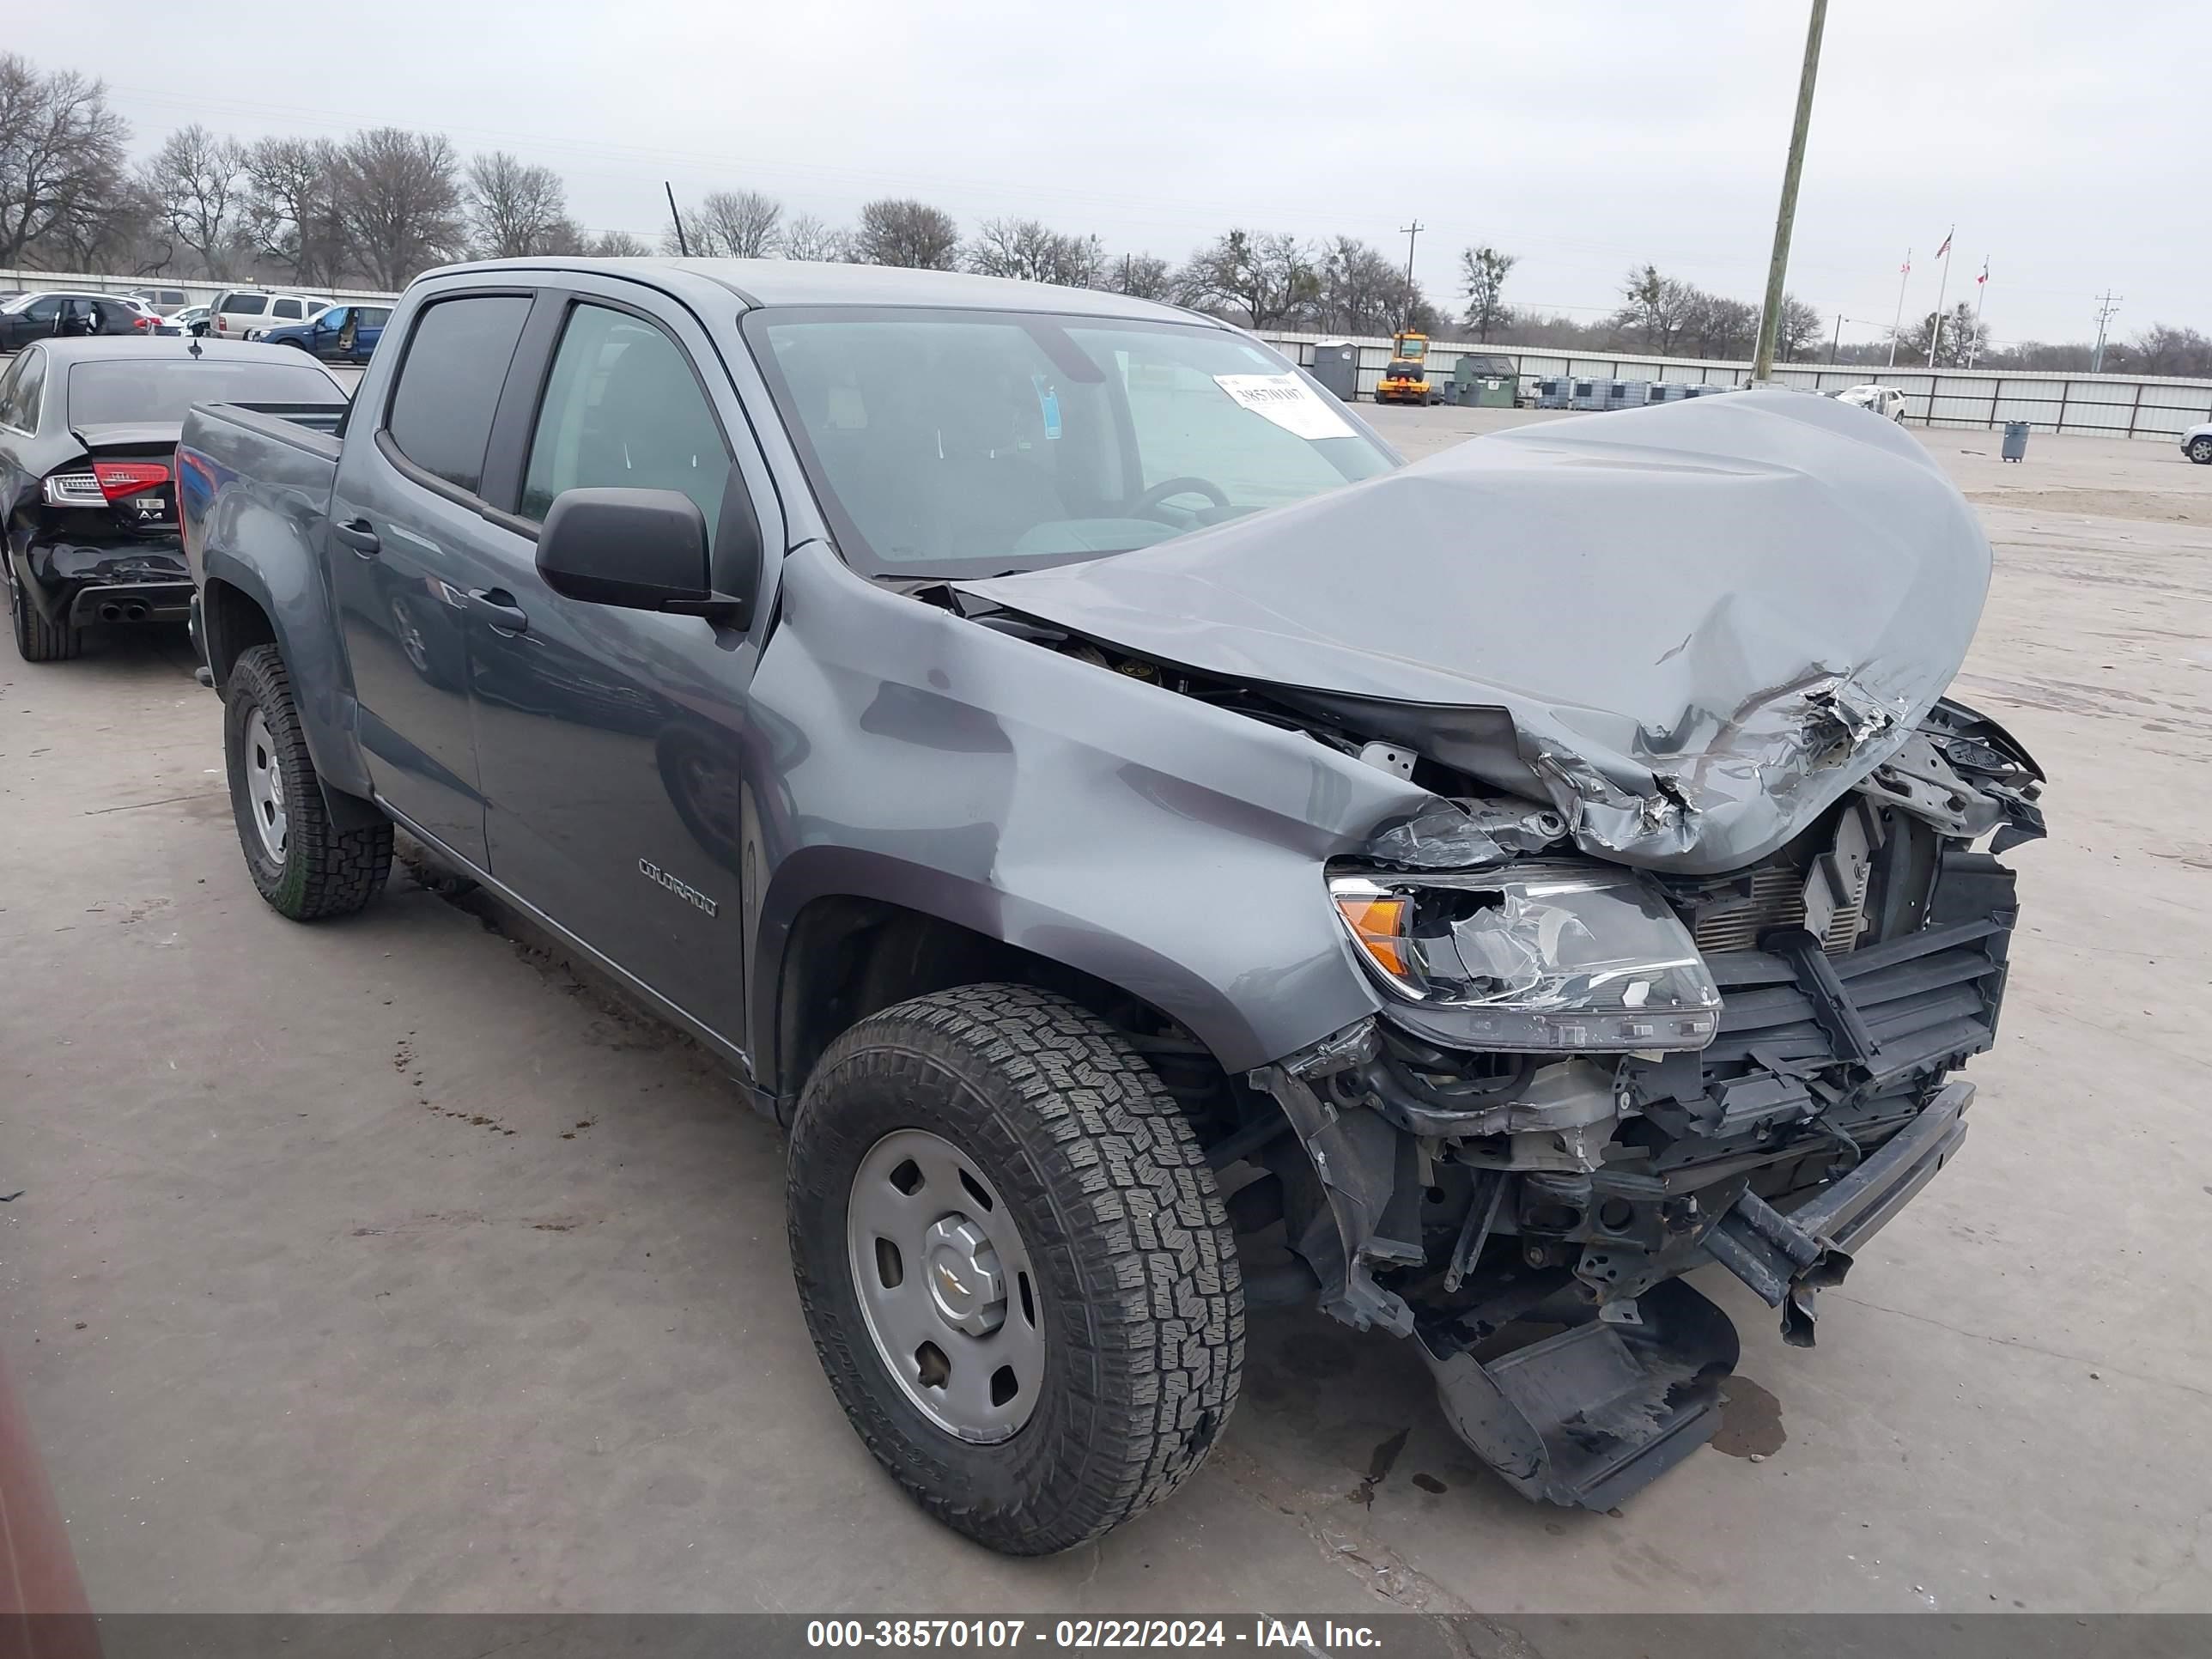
(643, 550)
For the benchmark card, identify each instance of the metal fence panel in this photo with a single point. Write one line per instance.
(2096, 405)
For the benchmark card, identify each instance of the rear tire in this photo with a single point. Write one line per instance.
(38, 640)
(2200, 451)
(1132, 1292)
(301, 862)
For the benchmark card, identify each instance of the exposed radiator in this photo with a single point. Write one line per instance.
(1777, 899)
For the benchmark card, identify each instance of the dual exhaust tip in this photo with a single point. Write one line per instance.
(132, 610)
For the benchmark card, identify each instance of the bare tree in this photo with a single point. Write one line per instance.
(1797, 336)
(1962, 339)
(1140, 275)
(1655, 307)
(2162, 349)
(1709, 325)
(116, 227)
(1482, 272)
(1028, 250)
(61, 147)
(566, 236)
(617, 245)
(805, 237)
(1359, 290)
(295, 206)
(736, 224)
(197, 181)
(514, 209)
(1266, 279)
(898, 231)
(401, 203)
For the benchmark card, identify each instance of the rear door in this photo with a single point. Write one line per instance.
(412, 551)
(610, 740)
(34, 321)
(239, 312)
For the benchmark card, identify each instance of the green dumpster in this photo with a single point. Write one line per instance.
(1484, 381)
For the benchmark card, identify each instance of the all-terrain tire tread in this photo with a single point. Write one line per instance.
(327, 872)
(1161, 1348)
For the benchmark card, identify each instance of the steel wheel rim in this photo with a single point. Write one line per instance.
(945, 1286)
(264, 788)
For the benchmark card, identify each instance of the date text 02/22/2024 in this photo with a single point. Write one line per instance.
(1093, 1635)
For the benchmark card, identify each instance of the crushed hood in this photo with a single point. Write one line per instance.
(1691, 628)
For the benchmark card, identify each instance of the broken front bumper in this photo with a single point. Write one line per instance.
(1787, 1258)
(1575, 1193)
(1588, 1416)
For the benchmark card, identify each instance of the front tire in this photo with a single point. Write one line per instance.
(2200, 451)
(301, 862)
(1069, 1235)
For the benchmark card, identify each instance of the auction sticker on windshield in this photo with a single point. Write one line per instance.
(1287, 401)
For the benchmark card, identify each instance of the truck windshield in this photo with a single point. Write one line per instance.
(132, 391)
(961, 444)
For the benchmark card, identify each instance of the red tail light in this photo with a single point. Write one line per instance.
(141, 322)
(121, 478)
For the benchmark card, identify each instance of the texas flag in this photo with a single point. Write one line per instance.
(1985, 276)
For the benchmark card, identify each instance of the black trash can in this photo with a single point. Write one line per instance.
(2015, 441)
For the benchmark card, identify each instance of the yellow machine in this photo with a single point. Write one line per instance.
(1406, 376)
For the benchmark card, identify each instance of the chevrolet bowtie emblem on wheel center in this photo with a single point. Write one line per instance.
(683, 890)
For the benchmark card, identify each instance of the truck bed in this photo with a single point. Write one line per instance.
(283, 458)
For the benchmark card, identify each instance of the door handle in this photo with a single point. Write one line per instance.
(497, 606)
(357, 535)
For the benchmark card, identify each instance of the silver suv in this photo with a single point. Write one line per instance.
(240, 314)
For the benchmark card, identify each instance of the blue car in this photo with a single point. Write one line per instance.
(336, 334)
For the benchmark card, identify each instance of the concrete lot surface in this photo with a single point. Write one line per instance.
(383, 1265)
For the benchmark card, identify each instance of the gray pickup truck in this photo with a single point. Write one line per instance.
(1119, 816)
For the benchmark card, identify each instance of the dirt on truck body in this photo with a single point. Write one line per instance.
(1106, 804)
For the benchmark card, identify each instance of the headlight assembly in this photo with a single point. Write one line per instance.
(1541, 956)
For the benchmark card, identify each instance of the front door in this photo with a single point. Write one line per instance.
(609, 740)
(411, 549)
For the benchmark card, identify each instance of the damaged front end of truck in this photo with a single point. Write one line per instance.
(1705, 911)
(1589, 1081)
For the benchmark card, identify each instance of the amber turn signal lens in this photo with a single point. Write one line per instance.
(1379, 925)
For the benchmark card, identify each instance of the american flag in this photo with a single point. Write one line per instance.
(1946, 248)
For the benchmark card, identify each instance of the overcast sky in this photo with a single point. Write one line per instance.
(2066, 139)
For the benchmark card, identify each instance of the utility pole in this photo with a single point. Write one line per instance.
(1897, 323)
(1836, 344)
(681, 247)
(1778, 269)
(1411, 233)
(2109, 304)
